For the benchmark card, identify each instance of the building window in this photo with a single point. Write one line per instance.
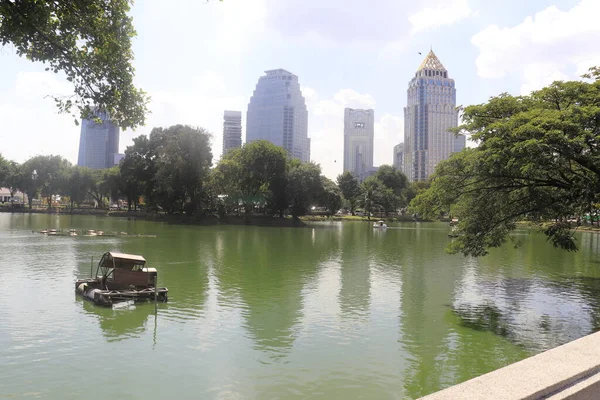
(359, 125)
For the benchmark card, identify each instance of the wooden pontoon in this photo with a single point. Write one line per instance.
(121, 277)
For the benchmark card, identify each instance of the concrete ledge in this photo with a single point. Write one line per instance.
(570, 371)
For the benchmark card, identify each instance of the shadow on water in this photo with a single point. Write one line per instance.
(484, 317)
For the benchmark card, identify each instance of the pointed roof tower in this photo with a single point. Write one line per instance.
(431, 62)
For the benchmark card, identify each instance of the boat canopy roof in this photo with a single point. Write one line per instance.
(121, 260)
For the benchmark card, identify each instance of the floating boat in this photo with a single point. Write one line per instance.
(121, 277)
(44, 231)
(52, 232)
(380, 225)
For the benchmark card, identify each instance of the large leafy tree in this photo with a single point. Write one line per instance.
(46, 175)
(376, 197)
(87, 40)
(393, 179)
(331, 196)
(303, 186)
(12, 177)
(3, 170)
(538, 158)
(138, 169)
(183, 161)
(253, 174)
(79, 182)
(350, 189)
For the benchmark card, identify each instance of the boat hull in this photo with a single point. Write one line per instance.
(90, 289)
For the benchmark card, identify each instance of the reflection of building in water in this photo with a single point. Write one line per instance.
(120, 324)
(267, 275)
(427, 294)
(355, 291)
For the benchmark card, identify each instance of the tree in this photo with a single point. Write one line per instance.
(304, 186)
(44, 174)
(12, 177)
(88, 41)
(374, 195)
(138, 169)
(111, 185)
(414, 189)
(331, 196)
(183, 162)
(3, 170)
(350, 189)
(538, 159)
(253, 174)
(79, 183)
(392, 179)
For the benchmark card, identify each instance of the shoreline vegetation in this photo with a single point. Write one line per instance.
(171, 172)
(183, 219)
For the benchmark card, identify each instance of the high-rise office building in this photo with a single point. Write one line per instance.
(232, 130)
(428, 116)
(359, 128)
(277, 113)
(98, 143)
(399, 157)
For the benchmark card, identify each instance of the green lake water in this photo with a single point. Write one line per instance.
(331, 311)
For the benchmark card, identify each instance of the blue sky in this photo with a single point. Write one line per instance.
(197, 58)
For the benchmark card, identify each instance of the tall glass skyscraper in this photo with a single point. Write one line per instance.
(98, 143)
(232, 130)
(428, 116)
(359, 128)
(277, 113)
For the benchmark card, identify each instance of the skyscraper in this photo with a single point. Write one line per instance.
(399, 157)
(428, 116)
(232, 130)
(98, 143)
(358, 141)
(277, 113)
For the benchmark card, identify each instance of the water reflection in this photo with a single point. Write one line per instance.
(335, 310)
(122, 323)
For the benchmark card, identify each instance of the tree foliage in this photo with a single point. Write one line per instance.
(350, 189)
(538, 158)
(392, 179)
(304, 186)
(183, 159)
(331, 196)
(87, 40)
(252, 175)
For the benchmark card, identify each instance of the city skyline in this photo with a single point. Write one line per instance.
(489, 48)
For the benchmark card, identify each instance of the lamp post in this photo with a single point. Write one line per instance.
(34, 176)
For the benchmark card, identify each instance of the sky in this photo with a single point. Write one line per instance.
(197, 58)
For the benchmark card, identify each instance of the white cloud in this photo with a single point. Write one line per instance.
(444, 13)
(202, 104)
(37, 85)
(552, 44)
(353, 99)
(393, 51)
(389, 131)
